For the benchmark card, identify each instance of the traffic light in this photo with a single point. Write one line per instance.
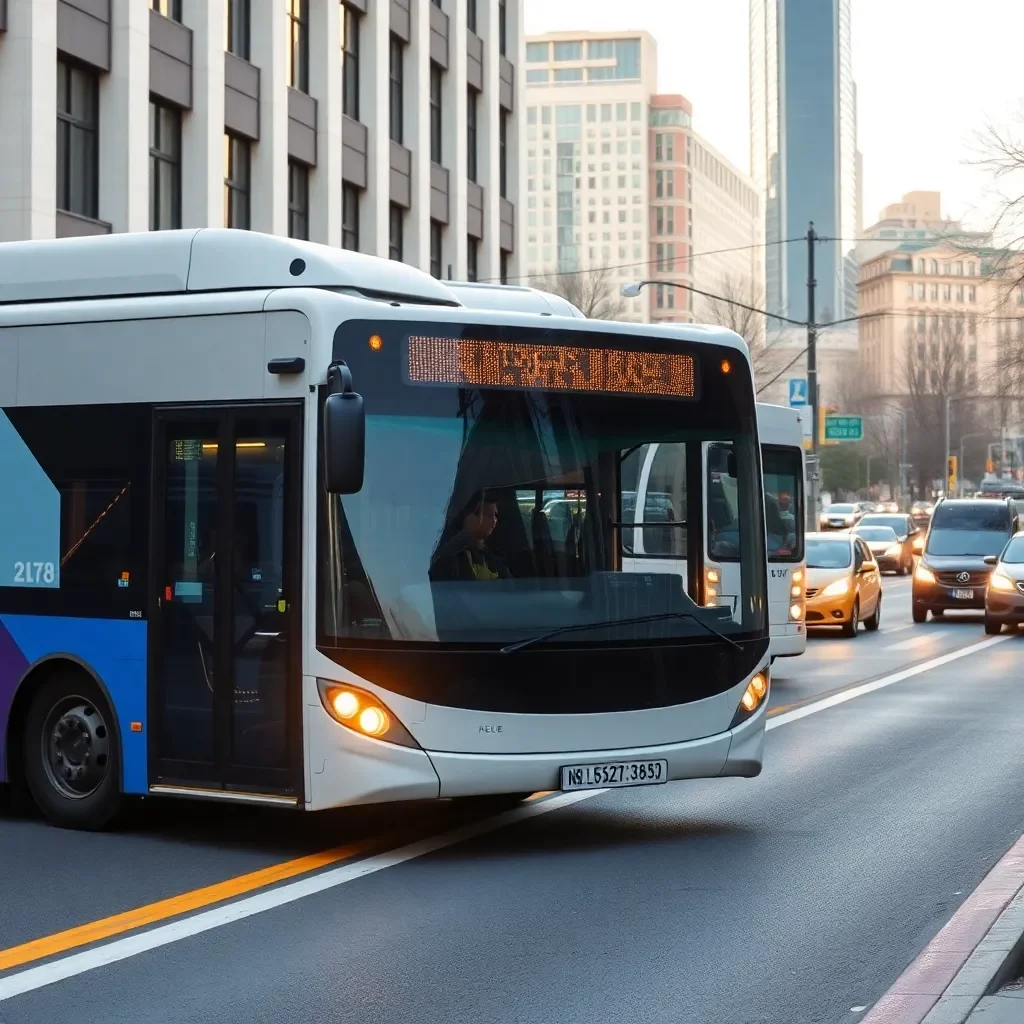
(951, 474)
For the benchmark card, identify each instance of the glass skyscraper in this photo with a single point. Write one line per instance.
(803, 136)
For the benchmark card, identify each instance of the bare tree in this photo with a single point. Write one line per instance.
(593, 292)
(935, 365)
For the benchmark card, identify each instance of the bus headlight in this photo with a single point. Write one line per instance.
(796, 612)
(362, 712)
(753, 697)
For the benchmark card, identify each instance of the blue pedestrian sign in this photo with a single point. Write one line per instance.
(797, 391)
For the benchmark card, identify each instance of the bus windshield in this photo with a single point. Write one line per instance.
(783, 486)
(491, 515)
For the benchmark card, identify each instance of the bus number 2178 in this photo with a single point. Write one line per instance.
(34, 572)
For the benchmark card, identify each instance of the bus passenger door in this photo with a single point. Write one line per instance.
(225, 615)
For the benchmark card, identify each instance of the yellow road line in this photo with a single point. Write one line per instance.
(105, 927)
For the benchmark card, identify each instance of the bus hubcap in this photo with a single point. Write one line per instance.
(77, 748)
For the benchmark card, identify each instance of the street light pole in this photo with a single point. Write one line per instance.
(813, 474)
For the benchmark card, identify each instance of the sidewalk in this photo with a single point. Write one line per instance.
(958, 977)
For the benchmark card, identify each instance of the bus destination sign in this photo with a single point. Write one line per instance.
(522, 365)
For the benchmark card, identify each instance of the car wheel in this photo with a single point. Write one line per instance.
(993, 626)
(919, 613)
(71, 753)
(850, 628)
(871, 624)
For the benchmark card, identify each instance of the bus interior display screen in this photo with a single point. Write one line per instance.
(524, 365)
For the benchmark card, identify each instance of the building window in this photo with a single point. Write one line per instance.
(168, 8)
(298, 44)
(538, 53)
(503, 154)
(568, 51)
(164, 167)
(350, 62)
(502, 29)
(396, 70)
(236, 37)
(77, 148)
(350, 217)
(236, 181)
(298, 200)
(471, 166)
(435, 249)
(471, 15)
(472, 254)
(395, 224)
(435, 112)
(503, 266)
(657, 147)
(659, 187)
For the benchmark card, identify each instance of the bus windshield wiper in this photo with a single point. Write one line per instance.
(634, 621)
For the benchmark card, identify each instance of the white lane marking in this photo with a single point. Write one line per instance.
(897, 629)
(132, 945)
(916, 641)
(858, 691)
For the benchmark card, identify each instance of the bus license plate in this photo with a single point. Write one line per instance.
(612, 774)
(963, 595)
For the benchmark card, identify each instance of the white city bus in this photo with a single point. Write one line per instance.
(274, 531)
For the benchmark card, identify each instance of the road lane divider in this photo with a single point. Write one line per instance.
(320, 876)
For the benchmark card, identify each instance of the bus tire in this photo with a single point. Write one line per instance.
(71, 753)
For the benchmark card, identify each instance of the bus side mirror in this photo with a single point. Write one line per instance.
(344, 442)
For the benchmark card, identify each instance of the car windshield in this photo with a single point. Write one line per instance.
(877, 533)
(1014, 553)
(897, 523)
(976, 529)
(491, 515)
(841, 509)
(828, 554)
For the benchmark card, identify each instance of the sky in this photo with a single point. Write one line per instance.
(930, 75)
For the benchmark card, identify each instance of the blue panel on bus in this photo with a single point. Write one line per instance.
(29, 516)
(114, 649)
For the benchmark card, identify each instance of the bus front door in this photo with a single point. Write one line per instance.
(225, 623)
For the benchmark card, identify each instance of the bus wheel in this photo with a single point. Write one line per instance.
(71, 754)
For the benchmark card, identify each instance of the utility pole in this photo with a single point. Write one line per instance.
(813, 472)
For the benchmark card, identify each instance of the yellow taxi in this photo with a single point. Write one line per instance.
(844, 586)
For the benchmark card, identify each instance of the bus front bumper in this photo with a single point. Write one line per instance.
(348, 769)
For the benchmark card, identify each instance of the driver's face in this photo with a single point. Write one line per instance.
(481, 523)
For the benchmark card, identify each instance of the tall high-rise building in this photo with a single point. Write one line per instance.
(804, 150)
(387, 127)
(619, 187)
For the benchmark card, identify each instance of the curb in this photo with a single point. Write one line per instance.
(973, 954)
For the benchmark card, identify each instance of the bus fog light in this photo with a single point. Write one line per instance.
(363, 713)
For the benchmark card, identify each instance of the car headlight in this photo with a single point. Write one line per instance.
(837, 588)
(892, 551)
(997, 581)
(923, 574)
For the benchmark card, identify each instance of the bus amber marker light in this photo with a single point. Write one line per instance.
(376, 342)
(726, 366)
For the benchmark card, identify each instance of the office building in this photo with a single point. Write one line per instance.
(618, 185)
(804, 150)
(387, 127)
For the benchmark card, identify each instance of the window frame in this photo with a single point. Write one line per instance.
(161, 156)
(436, 241)
(349, 226)
(436, 123)
(396, 89)
(351, 28)
(68, 125)
(503, 154)
(235, 185)
(238, 28)
(298, 45)
(396, 232)
(170, 9)
(472, 258)
(298, 200)
(472, 143)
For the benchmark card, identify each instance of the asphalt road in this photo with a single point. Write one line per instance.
(789, 899)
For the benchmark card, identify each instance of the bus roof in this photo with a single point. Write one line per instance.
(199, 260)
(513, 297)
